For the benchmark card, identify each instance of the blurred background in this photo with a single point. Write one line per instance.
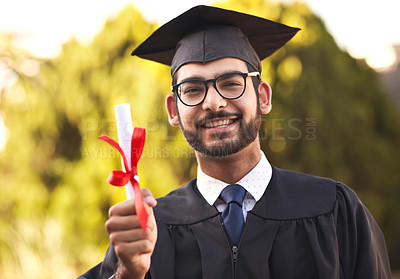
(65, 64)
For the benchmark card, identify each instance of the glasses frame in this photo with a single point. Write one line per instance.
(174, 88)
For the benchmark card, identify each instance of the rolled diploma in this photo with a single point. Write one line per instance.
(123, 118)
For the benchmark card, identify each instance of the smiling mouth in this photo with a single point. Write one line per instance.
(218, 123)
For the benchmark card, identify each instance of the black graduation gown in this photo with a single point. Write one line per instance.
(303, 227)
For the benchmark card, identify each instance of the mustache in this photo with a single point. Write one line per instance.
(220, 114)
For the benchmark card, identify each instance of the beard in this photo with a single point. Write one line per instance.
(228, 145)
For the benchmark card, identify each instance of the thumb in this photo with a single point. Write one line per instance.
(148, 197)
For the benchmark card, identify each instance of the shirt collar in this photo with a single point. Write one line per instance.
(255, 182)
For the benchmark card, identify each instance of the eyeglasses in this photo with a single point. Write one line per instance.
(229, 86)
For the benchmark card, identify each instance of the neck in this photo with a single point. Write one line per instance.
(232, 168)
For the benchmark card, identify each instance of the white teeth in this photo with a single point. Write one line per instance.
(218, 123)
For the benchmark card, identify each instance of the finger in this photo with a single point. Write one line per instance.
(127, 236)
(128, 249)
(121, 223)
(124, 208)
(127, 207)
(148, 197)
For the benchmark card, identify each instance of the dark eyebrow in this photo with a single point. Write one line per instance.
(200, 78)
(192, 78)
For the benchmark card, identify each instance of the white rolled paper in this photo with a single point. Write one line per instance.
(123, 118)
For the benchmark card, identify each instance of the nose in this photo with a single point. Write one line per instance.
(213, 101)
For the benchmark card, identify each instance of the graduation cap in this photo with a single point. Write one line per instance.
(203, 34)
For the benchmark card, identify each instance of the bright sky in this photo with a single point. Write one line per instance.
(366, 28)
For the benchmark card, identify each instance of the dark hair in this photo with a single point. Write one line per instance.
(256, 80)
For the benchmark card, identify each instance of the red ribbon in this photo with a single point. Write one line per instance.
(120, 178)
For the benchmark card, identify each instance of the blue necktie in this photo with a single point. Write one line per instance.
(232, 216)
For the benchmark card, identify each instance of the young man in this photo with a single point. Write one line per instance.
(241, 217)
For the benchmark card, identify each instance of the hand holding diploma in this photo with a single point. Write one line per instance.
(131, 224)
(132, 246)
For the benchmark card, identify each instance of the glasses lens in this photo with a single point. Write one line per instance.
(231, 86)
(192, 92)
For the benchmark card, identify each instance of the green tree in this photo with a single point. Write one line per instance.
(55, 166)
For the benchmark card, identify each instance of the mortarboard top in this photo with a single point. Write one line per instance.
(203, 34)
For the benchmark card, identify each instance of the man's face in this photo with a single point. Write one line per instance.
(219, 127)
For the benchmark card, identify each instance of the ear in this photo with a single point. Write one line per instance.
(172, 110)
(265, 95)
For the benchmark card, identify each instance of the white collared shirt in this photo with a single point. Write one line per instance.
(255, 183)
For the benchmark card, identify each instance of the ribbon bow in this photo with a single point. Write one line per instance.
(121, 178)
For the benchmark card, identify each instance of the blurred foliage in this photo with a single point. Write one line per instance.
(330, 117)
